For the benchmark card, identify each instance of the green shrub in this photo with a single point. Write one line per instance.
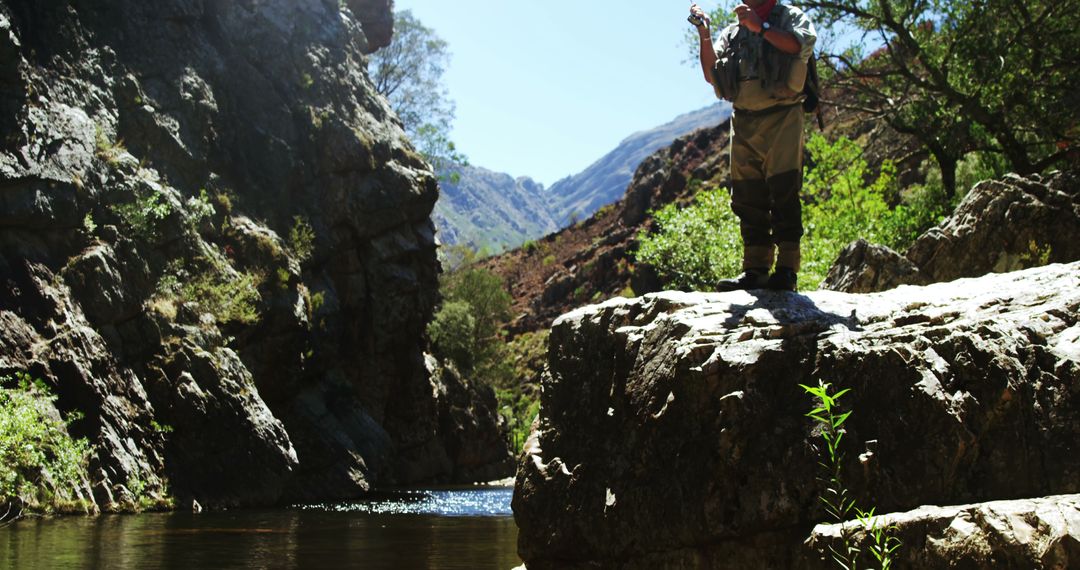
(227, 298)
(42, 468)
(301, 239)
(199, 209)
(144, 213)
(225, 295)
(694, 247)
(479, 294)
(451, 334)
(841, 207)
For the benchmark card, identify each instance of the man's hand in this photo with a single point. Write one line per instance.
(748, 18)
(697, 12)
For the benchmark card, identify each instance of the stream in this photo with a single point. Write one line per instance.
(423, 529)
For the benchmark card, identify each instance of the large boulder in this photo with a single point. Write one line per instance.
(1001, 225)
(673, 432)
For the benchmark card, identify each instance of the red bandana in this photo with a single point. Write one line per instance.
(763, 10)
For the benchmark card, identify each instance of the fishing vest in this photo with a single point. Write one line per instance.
(752, 73)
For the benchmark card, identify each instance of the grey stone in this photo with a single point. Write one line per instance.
(673, 434)
(863, 267)
(1017, 534)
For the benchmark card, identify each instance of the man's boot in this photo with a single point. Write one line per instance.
(787, 266)
(783, 279)
(751, 278)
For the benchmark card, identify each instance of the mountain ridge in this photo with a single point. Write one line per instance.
(495, 211)
(604, 181)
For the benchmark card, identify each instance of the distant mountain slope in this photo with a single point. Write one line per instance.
(605, 181)
(495, 211)
(492, 210)
(592, 261)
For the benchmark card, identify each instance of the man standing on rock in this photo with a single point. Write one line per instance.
(759, 63)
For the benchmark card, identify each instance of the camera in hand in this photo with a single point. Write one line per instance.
(696, 21)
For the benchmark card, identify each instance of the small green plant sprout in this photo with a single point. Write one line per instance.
(835, 497)
(885, 543)
(827, 415)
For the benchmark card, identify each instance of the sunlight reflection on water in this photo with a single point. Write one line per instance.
(448, 503)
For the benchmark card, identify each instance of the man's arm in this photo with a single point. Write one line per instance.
(708, 54)
(780, 39)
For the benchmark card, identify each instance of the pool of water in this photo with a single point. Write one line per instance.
(423, 529)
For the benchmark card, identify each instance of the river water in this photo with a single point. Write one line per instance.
(469, 528)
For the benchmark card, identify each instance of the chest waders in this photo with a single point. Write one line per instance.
(766, 178)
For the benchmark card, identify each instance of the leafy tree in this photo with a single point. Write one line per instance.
(409, 73)
(468, 327)
(452, 333)
(996, 76)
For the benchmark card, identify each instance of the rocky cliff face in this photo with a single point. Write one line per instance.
(215, 242)
(672, 430)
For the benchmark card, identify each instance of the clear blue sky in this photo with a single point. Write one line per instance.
(545, 87)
